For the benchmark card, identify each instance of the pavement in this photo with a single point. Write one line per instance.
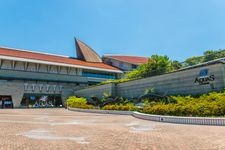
(40, 129)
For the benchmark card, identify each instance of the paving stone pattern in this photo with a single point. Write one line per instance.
(39, 129)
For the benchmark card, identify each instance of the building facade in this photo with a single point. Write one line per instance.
(33, 79)
(125, 63)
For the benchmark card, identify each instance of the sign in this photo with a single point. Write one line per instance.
(204, 78)
(46, 88)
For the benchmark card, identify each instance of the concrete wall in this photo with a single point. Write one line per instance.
(174, 83)
(17, 89)
(14, 89)
(182, 82)
(96, 91)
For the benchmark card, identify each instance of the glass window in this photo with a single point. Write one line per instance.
(134, 66)
(121, 65)
(98, 75)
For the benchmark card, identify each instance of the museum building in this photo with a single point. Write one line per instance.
(34, 79)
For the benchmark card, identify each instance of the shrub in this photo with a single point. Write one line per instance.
(114, 81)
(76, 102)
(211, 104)
(124, 107)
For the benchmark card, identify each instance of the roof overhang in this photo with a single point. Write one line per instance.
(57, 64)
(110, 57)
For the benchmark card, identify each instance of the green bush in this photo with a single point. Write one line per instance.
(123, 107)
(211, 104)
(114, 81)
(76, 102)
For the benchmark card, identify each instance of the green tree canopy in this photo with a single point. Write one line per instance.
(193, 60)
(212, 55)
(156, 65)
(208, 56)
(162, 64)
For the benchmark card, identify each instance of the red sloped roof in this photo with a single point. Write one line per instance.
(84, 52)
(52, 58)
(129, 59)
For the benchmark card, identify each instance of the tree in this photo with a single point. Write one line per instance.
(208, 56)
(193, 60)
(156, 65)
(212, 55)
(176, 65)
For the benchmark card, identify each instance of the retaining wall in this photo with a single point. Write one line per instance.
(182, 83)
(96, 91)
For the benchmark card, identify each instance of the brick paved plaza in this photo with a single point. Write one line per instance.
(63, 129)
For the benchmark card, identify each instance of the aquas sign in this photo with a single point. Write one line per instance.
(204, 77)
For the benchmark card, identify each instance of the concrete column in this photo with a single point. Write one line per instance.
(15, 89)
(16, 98)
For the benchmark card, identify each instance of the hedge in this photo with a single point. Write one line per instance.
(78, 102)
(211, 104)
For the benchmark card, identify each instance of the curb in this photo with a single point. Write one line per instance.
(160, 118)
(181, 120)
(102, 111)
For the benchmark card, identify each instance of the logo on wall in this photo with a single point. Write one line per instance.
(204, 77)
(42, 87)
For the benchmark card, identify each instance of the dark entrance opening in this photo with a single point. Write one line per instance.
(6, 101)
(41, 101)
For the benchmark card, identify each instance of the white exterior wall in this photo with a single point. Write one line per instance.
(43, 68)
(6, 64)
(19, 66)
(31, 67)
(63, 70)
(72, 71)
(53, 69)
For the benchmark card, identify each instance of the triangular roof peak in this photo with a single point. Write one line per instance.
(86, 53)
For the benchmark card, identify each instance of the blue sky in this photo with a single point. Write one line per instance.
(177, 28)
